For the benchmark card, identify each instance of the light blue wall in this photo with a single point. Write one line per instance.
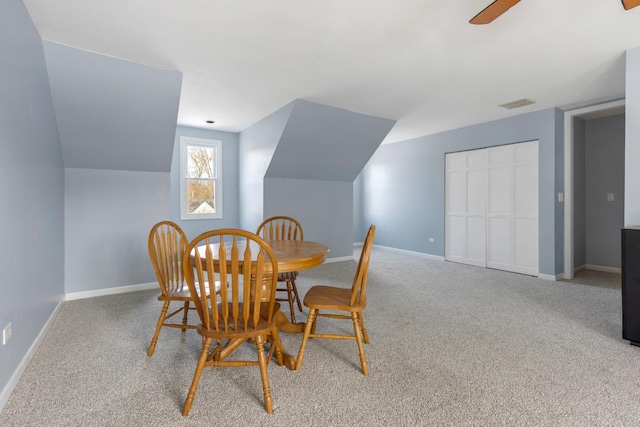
(118, 208)
(358, 228)
(108, 215)
(257, 145)
(604, 167)
(403, 187)
(32, 190)
(323, 208)
(632, 140)
(230, 187)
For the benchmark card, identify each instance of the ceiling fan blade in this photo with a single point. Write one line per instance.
(628, 4)
(497, 8)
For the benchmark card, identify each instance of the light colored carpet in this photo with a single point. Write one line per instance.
(450, 345)
(598, 278)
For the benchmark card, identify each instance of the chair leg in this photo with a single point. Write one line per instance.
(296, 297)
(154, 340)
(290, 295)
(217, 351)
(358, 332)
(262, 361)
(206, 343)
(307, 331)
(315, 319)
(364, 330)
(274, 340)
(186, 313)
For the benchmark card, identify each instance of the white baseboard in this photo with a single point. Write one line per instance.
(422, 254)
(603, 268)
(338, 259)
(553, 278)
(597, 268)
(111, 291)
(17, 374)
(441, 258)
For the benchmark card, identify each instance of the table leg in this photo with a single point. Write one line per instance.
(284, 325)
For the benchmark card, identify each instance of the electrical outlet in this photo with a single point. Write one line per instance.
(432, 240)
(6, 334)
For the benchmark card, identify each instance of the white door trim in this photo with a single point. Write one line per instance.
(568, 177)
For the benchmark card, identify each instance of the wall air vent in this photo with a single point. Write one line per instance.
(517, 104)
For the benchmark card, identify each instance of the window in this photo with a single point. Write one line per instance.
(200, 178)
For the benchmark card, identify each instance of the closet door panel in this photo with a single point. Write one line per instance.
(525, 178)
(456, 207)
(525, 209)
(476, 208)
(476, 241)
(456, 191)
(499, 191)
(476, 192)
(526, 152)
(499, 243)
(500, 205)
(456, 238)
(525, 246)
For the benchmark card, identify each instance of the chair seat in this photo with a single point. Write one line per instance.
(182, 294)
(332, 298)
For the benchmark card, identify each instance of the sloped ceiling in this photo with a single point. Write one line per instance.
(418, 62)
(111, 113)
(320, 142)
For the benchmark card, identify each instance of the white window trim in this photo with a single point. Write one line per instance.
(217, 145)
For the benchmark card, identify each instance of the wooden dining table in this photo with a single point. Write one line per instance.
(296, 255)
(291, 255)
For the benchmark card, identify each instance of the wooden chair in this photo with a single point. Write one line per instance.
(284, 228)
(240, 259)
(352, 301)
(167, 243)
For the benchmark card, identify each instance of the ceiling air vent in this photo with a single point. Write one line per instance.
(517, 104)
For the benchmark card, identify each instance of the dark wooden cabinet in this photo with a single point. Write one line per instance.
(631, 284)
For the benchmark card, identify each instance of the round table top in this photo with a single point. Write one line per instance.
(293, 255)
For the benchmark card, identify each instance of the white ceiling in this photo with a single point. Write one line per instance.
(415, 61)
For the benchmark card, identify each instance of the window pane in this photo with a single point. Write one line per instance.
(200, 196)
(200, 162)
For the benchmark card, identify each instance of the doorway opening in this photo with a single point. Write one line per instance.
(586, 113)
